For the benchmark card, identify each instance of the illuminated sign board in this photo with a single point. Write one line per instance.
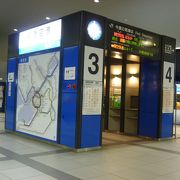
(43, 37)
(133, 40)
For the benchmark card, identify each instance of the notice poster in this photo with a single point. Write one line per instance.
(92, 98)
(168, 100)
(70, 73)
(11, 77)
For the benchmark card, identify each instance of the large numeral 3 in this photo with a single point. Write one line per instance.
(94, 57)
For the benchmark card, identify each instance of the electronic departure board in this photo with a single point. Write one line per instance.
(133, 40)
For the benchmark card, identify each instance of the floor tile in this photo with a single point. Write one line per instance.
(86, 172)
(10, 164)
(58, 163)
(107, 177)
(21, 173)
(40, 177)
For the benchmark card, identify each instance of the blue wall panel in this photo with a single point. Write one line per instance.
(11, 96)
(68, 119)
(149, 97)
(90, 135)
(167, 125)
(69, 99)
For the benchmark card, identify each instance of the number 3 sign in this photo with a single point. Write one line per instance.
(93, 64)
(168, 75)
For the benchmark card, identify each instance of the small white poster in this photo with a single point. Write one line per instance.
(92, 98)
(168, 100)
(11, 77)
(70, 73)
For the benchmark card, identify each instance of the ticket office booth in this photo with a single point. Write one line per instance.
(136, 64)
(126, 48)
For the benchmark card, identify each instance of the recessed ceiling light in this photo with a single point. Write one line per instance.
(48, 18)
(96, 1)
(15, 30)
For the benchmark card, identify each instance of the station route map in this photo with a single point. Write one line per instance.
(37, 95)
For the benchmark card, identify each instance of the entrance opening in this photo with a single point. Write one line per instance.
(121, 93)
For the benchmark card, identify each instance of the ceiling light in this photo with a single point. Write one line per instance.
(15, 30)
(116, 55)
(147, 43)
(177, 47)
(48, 18)
(96, 1)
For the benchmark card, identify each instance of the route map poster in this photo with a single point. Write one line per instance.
(37, 95)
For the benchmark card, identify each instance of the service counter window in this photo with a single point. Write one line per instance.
(131, 98)
(115, 97)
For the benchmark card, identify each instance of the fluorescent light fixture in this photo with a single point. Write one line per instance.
(96, 1)
(15, 30)
(48, 18)
(147, 43)
(40, 38)
(116, 54)
(132, 57)
(177, 47)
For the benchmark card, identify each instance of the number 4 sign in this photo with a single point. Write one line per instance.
(168, 75)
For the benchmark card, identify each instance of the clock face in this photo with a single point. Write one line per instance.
(94, 30)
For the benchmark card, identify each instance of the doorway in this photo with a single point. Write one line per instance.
(121, 93)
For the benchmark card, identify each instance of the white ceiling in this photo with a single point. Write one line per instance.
(160, 16)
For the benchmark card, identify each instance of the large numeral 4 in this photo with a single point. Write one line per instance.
(169, 74)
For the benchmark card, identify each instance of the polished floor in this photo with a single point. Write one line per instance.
(121, 158)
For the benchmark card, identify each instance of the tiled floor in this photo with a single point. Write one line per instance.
(121, 158)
